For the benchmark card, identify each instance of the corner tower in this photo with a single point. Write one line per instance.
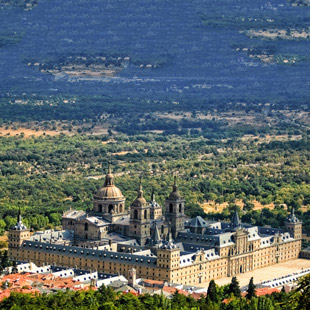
(168, 259)
(109, 201)
(294, 226)
(174, 213)
(139, 223)
(17, 235)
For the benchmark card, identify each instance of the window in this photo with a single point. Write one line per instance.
(171, 208)
(145, 214)
(135, 214)
(86, 226)
(100, 208)
(110, 209)
(180, 208)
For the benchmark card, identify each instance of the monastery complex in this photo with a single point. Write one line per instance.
(148, 243)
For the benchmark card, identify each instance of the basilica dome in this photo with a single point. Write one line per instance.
(109, 190)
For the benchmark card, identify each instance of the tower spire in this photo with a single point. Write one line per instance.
(156, 235)
(175, 187)
(19, 225)
(109, 179)
(140, 191)
(236, 223)
(19, 219)
(153, 194)
(109, 167)
(169, 237)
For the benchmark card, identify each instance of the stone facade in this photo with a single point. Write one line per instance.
(141, 244)
(140, 219)
(175, 210)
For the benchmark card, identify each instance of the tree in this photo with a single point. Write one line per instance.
(178, 300)
(251, 290)
(234, 287)
(300, 298)
(105, 294)
(2, 226)
(212, 292)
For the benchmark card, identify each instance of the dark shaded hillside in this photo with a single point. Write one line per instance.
(191, 40)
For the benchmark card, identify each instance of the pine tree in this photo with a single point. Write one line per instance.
(251, 289)
(234, 287)
(212, 292)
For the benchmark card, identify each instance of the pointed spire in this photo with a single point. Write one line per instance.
(175, 195)
(19, 219)
(109, 168)
(292, 217)
(153, 195)
(19, 225)
(169, 237)
(175, 187)
(236, 223)
(156, 235)
(140, 191)
(109, 179)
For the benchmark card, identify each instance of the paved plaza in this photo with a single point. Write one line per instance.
(267, 273)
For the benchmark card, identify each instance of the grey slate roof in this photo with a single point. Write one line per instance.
(191, 238)
(236, 223)
(269, 230)
(124, 220)
(197, 221)
(155, 238)
(19, 225)
(292, 218)
(95, 254)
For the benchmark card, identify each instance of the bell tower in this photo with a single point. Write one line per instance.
(174, 213)
(139, 223)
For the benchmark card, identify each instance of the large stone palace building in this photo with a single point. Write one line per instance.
(146, 243)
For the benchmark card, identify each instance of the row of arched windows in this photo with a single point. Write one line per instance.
(119, 208)
(171, 208)
(136, 213)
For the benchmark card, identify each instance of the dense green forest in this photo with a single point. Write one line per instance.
(106, 299)
(46, 175)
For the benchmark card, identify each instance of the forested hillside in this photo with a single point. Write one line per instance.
(46, 175)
